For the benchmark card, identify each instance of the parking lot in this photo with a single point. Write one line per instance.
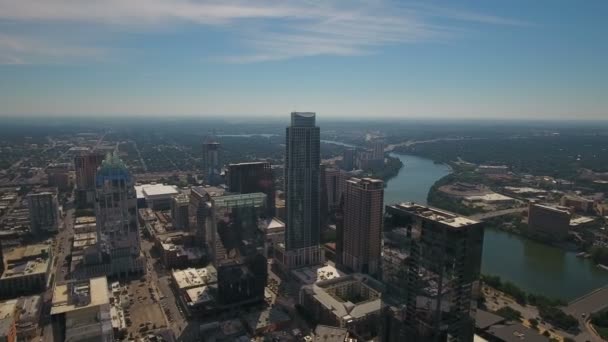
(143, 313)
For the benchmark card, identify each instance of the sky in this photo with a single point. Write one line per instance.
(516, 59)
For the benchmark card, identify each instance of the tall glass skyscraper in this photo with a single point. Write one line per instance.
(302, 191)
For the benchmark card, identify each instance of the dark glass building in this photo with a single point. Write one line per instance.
(442, 273)
(247, 178)
(302, 191)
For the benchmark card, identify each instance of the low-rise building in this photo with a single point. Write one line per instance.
(577, 203)
(81, 311)
(156, 196)
(26, 270)
(353, 302)
(313, 274)
(493, 169)
(195, 287)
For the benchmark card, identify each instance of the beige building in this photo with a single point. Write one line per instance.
(26, 270)
(81, 311)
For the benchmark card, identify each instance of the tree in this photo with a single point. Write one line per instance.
(509, 313)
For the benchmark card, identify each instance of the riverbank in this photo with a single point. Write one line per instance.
(533, 266)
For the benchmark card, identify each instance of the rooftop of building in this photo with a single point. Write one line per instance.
(154, 190)
(272, 225)
(555, 209)
(324, 333)
(192, 253)
(195, 277)
(85, 220)
(485, 319)
(256, 199)
(367, 182)
(8, 308)
(26, 261)
(77, 295)
(248, 163)
(268, 316)
(437, 215)
(212, 191)
(199, 295)
(362, 297)
(491, 197)
(516, 332)
(181, 199)
(313, 274)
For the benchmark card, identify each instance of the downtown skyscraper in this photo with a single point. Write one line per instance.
(116, 213)
(302, 191)
(211, 162)
(362, 230)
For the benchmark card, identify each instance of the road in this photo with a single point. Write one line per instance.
(485, 216)
(583, 307)
(61, 248)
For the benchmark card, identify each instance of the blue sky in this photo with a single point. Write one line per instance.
(399, 59)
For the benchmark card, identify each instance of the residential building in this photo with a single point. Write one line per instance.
(348, 159)
(247, 178)
(352, 302)
(81, 311)
(43, 211)
(302, 192)
(548, 222)
(180, 212)
(211, 162)
(85, 167)
(443, 273)
(378, 151)
(362, 236)
(335, 182)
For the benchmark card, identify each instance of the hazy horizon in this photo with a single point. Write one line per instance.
(516, 60)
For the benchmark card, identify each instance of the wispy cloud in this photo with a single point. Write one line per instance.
(265, 29)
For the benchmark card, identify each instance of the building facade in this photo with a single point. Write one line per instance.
(302, 191)
(180, 212)
(246, 178)
(43, 211)
(116, 214)
(211, 162)
(362, 231)
(85, 167)
(548, 222)
(443, 273)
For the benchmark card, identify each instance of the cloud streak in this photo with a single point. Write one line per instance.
(265, 30)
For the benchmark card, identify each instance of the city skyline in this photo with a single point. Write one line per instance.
(515, 60)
